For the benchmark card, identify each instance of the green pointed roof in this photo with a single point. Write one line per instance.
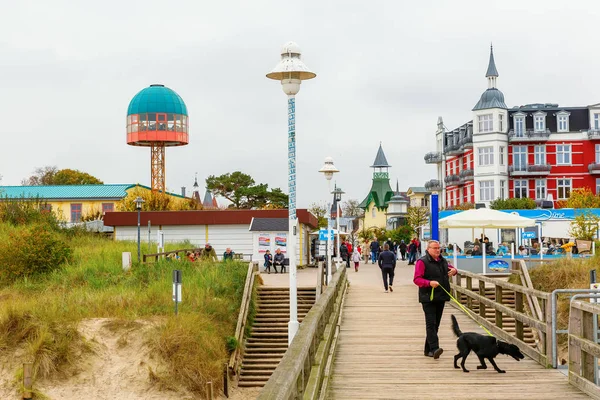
(381, 193)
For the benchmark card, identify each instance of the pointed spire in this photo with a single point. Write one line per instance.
(380, 160)
(491, 71)
(397, 187)
(196, 182)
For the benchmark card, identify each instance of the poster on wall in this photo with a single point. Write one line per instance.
(264, 242)
(281, 242)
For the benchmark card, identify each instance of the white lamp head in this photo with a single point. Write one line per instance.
(328, 168)
(291, 71)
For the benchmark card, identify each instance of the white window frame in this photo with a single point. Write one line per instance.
(520, 152)
(597, 186)
(541, 189)
(468, 194)
(519, 124)
(562, 116)
(501, 155)
(518, 188)
(502, 189)
(563, 154)
(539, 154)
(485, 156)
(539, 122)
(596, 121)
(501, 122)
(597, 158)
(486, 123)
(486, 190)
(564, 187)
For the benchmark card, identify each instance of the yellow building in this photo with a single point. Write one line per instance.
(376, 202)
(418, 196)
(71, 203)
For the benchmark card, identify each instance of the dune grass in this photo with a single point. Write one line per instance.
(39, 315)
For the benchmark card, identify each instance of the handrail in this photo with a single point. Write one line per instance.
(236, 256)
(544, 325)
(583, 349)
(290, 378)
(234, 359)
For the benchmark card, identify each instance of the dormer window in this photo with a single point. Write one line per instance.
(562, 121)
(519, 123)
(539, 122)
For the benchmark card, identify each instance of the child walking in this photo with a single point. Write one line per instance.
(356, 258)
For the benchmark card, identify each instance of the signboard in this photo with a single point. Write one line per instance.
(264, 242)
(281, 242)
(498, 265)
(323, 234)
(528, 235)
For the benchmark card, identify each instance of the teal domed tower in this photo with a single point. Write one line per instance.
(157, 117)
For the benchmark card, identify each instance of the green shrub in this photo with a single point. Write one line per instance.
(32, 250)
(23, 211)
(231, 343)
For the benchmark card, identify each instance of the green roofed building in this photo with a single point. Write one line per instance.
(376, 202)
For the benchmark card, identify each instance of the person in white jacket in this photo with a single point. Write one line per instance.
(356, 258)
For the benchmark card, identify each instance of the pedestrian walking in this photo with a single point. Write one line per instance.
(344, 254)
(402, 246)
(374, 250)
(412, 252)
(356, 258)
(387, 264)
(431, 271)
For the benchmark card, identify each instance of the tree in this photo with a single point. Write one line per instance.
(241, 190)
(581, 198)
(350, 208)
(524, 203)
(319, 211)
(416, 217)
(464, 206)
(51, 175)
(153, 201)
(584, 226)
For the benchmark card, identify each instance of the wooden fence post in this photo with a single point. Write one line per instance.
(482, 294)
(209, 391)
(27, 380)
(499, 301)
(519, 308)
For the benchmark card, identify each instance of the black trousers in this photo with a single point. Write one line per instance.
(385, 273)
(433, 316)
(403, 254)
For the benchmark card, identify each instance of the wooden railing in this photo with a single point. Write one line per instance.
(464, 282)
(235, 358)
(300, 372)
(582, 346)
(153, 257)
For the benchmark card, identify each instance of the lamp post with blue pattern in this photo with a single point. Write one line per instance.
(291, 71)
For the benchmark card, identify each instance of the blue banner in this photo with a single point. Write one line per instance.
(434, 217)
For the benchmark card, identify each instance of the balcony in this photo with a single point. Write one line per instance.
(530, 170)
(433, 185)
(452, 180)
(593, 134)
(594, 168)
(433, 157)
(454, 149)
(466, 142)
(528, 136)
(466, 175)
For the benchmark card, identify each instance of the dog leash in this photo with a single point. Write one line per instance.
(465, 309)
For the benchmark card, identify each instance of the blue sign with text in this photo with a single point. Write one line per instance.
(528, 235)
(323, 234)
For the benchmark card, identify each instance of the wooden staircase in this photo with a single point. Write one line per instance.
(508, 323)
(268, 340)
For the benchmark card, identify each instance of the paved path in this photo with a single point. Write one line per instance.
(380, 352)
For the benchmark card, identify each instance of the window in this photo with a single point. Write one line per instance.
(520, 126)
(539, 154)
(373, 212)
(563, 187)
(486, 155)
(108, 207)
(502, 189)
(521, 188)
(563, 154)
(597, 185)
(486, 123)
(562, 121)
(468, 194)
(76, 212)
(520, 158)
(501, 155)
(597, 154)
(540, 189)
(45, 208)
(596, 121)
(486, 190)
(539, 122)
(501, 122)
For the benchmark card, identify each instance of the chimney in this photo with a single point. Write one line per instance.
(183, 191)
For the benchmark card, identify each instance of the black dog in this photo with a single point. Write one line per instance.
(484, 346)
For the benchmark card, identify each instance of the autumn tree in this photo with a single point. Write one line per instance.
(581, 198)
(584, 226)
(51, 175)
(319, 211)
(241, 190)
(416, 217)
(156, 201)
(350, 208)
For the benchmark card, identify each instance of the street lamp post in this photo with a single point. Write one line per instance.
(337, 198)
(138, 206)
(291, 71)
(328, 170)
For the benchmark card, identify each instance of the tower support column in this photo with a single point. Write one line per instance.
(157, 166)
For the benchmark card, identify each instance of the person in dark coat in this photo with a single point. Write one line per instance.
(387, 264)
(431, 271)
(268, 261)
(412, 252)
(402, 246)
(344, 253)
(374, 250)
(279, 260)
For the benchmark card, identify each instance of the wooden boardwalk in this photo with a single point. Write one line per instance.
(380, 352)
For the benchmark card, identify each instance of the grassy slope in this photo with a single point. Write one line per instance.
(40, 315)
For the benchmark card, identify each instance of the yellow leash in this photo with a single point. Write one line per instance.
(465, 309)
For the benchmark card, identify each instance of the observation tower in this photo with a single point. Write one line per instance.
(157, 117)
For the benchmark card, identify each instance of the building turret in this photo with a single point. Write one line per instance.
(376, 202)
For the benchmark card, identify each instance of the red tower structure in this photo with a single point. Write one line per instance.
(157, 117)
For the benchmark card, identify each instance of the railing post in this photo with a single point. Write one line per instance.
(574, 349)
(519, 308)
(547, 337)
(482, 294)
(587, 359)
(499, 301)
(469, 288)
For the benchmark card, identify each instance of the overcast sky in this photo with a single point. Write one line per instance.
(385, 72)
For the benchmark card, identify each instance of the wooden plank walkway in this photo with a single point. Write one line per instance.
(380, 352)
